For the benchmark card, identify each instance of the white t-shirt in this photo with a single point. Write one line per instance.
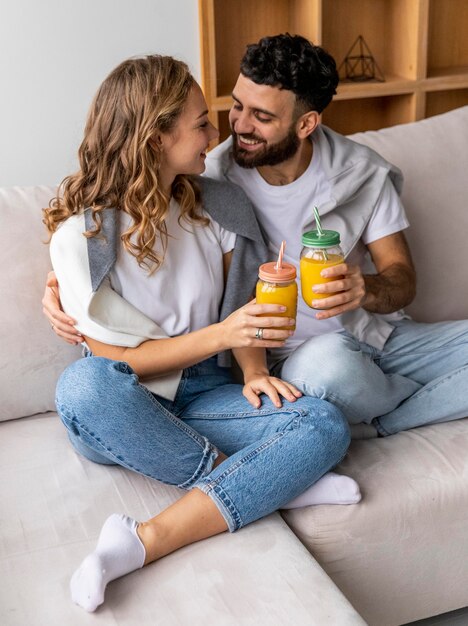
(285, 212)
(185, 293)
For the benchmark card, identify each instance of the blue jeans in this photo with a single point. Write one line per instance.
(273, 454)
(420, 377)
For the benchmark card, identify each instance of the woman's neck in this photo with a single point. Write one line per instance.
(166, 179)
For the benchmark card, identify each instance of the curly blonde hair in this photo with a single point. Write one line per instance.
(119, 159)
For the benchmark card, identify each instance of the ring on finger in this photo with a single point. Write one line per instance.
(259, 333)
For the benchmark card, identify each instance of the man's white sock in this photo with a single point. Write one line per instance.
(119, 551)
(330, 489)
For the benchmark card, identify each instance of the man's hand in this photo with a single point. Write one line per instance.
(347, 290)
(392, 288)
(62, 324)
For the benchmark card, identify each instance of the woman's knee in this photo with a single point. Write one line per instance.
(335, 423)
(87, 379)
(327, 422)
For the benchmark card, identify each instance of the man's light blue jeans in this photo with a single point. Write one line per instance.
(273, 454)
(420, 377)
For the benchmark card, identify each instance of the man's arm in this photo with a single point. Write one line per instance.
(62, 324)
(392, 288)
(394, 285)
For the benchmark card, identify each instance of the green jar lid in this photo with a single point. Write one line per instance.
(327, 239)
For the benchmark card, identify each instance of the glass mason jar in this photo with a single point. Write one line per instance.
(278, 286)
(319, 251)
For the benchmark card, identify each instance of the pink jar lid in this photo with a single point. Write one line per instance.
(268, 272)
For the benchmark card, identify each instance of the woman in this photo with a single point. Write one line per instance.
(141, 267)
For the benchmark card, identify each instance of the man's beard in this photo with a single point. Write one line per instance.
(272, 155)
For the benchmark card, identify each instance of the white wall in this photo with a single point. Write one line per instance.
(53, 56)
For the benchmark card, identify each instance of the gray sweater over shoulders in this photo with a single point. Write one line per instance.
(228, 205)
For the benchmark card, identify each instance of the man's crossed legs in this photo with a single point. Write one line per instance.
(420, 377)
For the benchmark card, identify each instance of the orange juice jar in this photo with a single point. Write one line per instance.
(278, 286)
(319, 251)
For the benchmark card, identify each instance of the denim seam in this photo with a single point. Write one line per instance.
(246, 459)
(224, 504)
(243, 414)
(175, 420)
(209, 452)
(81, 428)
(201, 441)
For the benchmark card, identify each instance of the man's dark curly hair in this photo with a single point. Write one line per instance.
(292, 62)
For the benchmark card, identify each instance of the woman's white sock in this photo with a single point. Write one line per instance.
(119, 551)
(330, 489)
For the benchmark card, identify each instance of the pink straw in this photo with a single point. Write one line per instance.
(279, 262)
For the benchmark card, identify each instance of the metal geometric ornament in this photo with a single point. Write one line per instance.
(359, 64)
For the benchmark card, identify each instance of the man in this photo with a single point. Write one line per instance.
(360, 351)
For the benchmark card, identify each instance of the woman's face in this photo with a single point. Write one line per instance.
(184, 147)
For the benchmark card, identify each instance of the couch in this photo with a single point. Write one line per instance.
(399, 555)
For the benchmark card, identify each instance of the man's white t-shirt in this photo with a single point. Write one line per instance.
(285, 212)
(185, 293)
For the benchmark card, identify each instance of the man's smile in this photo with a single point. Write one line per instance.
(246, 142)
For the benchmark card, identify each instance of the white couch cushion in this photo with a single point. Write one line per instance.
(33, 357)
(401, 554)
(433, 155)
(53, 504)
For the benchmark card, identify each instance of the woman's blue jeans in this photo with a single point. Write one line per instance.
(273, 454)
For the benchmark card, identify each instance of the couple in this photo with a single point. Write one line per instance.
(147, 283)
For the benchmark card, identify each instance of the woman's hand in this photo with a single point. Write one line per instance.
(62, 324)
(257, 384)
(245, 329)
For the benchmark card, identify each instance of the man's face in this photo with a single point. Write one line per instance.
(263, 124)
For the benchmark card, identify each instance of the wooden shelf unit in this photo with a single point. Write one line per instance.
(421, 46)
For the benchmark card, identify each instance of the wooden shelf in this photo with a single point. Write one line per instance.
(353, 116)
(420, 46)
(392, 85)
(447, 78)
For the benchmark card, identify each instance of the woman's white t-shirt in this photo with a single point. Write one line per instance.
(184, 294)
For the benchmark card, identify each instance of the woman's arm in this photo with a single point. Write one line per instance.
(252, 361)
(159, 357)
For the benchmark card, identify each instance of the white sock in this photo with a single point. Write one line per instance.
(119, 551)
(330, 489)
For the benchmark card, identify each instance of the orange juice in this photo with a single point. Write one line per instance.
(310, 275)
(278, 293)
(321, 249)
(277, 285)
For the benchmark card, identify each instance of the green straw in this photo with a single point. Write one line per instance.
(319, 229)
(317, 222)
